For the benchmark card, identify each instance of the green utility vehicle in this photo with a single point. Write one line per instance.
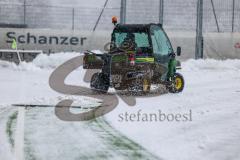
(140, 55)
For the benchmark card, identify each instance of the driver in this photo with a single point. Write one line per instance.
(129, 42)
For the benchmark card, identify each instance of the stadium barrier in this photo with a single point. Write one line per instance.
(216, 45)
(14, 55)
(222, 45)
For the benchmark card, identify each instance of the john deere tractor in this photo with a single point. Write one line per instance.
(139, 56)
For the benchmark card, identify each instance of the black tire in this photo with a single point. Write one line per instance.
(99, 83)
(176, 84)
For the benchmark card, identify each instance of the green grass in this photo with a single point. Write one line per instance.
(9, 129)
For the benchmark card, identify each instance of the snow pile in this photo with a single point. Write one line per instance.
(211, 64)
(5, 64)
(53, 60)
(22, 67)
(43, 61)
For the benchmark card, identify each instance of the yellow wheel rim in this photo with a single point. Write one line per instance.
(145, 85)
(178, 83)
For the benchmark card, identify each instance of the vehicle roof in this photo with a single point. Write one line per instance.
(134, 27)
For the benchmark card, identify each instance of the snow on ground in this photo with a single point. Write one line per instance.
(211, 93)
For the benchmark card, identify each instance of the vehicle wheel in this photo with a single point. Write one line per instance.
(99, 83)
(176, 84)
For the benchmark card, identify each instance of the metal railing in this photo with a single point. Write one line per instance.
(218, 15)
(57, 17)
(198, 16)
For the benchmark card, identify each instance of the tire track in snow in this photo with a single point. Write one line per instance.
(5, 146)
(119, 143)
(47, 137)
